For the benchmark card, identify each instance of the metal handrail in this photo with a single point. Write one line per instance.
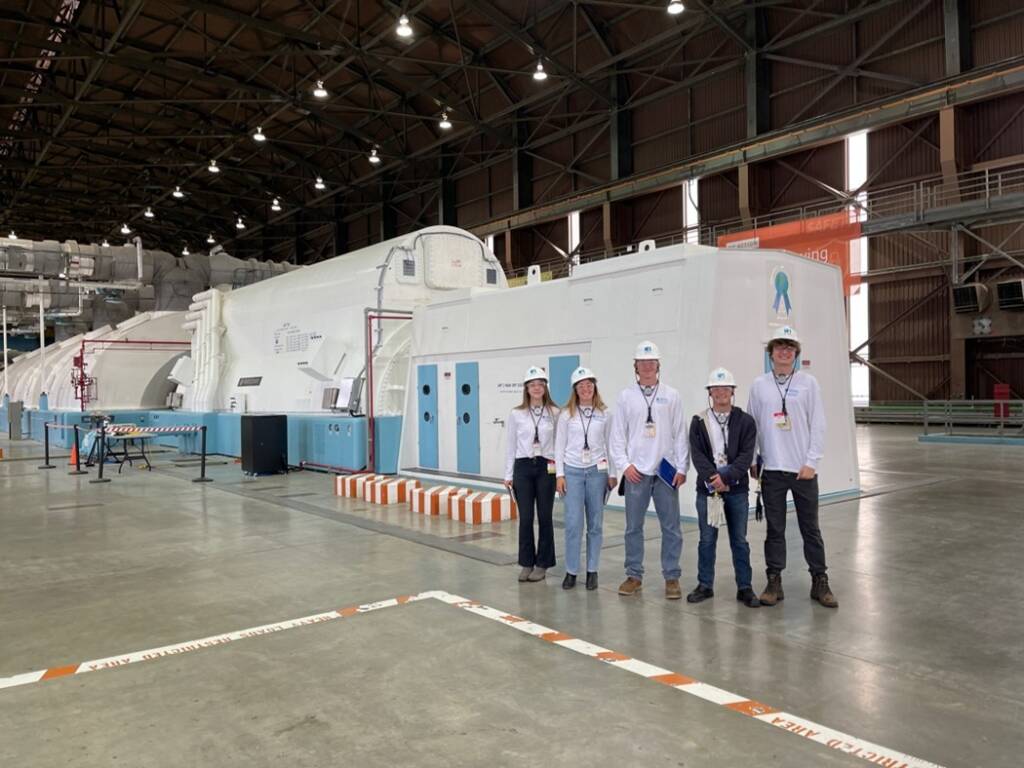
(949, 413)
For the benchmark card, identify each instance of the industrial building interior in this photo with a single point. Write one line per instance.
(270, 273)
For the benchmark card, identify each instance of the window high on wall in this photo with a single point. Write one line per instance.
(856, 175)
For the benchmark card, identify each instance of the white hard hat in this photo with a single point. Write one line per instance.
(720, 377)
(535, 372)
(647, 350)
(581, 374)
(785, 333)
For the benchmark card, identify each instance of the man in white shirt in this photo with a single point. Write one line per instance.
(790, 415)
(648, 427)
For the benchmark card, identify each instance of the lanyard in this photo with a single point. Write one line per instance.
(536, 422)
(586, 428)
(722, 427)
(654, 395)
(789, 382)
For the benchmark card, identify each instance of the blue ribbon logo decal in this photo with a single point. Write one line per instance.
(782, 292)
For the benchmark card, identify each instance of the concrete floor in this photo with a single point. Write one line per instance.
(924, 655)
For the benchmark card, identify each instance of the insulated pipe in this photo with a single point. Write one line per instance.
(7, 388)
(138, 254)
(42, 340)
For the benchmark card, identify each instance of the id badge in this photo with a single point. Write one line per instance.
(649, 429)
(602, 465)
(586, 457)
(781, 420)
(536, 450)
(551, 467)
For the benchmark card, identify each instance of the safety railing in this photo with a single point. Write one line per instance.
(1001, 418)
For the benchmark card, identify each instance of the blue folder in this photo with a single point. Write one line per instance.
(667, 473)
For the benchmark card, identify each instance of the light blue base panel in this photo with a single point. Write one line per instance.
(971, 439)
(332, 442)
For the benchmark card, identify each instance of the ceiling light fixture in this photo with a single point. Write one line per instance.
(444, 124)
(12, 236)
(675, 8)
(319, 183)
(177, 193)
(212, 167)
(403, 29)
(259, 136)
(540, 74)
(125, 230)
(320, 92)
(276, 205)
(184, 251)
(105, 244)
(239, 224)
(210, 239)
(373, 156)
(149, 213)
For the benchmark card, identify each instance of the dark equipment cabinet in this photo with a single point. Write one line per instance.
(264, 444)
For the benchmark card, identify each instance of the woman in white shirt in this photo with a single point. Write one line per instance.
(583, 475)
(530, 472)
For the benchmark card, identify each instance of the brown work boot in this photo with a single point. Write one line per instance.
(820, 591)
(773, 592)
(630, 586)
(672, 589)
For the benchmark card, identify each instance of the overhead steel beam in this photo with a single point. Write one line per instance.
(1007, 77)
(956, 25)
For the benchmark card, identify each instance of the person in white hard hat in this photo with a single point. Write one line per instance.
(530, 472)
(582, 472)
(722, 443)
(648, 428)
(790, 415)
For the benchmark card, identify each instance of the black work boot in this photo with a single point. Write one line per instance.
(773, 592)
(820, 591)
(569, 581)
(591, 580)
(700, 594)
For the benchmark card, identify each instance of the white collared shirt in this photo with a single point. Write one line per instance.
(520, 428)
(569, 439)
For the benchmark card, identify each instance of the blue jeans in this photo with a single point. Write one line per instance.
(584, 490)
(737, 506)
(666, 504)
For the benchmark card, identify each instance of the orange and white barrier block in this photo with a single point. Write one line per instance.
(389, 490)
(484, 507)
(451, 504)
(351, 486)
(431, 501)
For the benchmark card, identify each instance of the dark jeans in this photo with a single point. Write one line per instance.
(737, 510)
(534, 486)
(774, 488)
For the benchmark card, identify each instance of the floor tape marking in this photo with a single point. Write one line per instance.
(808, 729)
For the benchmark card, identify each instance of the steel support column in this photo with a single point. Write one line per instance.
(756, 74)
(620, 124)
(340, 227)
(522, 166)
(956, 22)
(446, 212)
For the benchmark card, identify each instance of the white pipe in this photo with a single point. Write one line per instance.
(190, 325)
(138, 254)
(42, 338)
(6, 383)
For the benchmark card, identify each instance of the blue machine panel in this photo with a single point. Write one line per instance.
(467, 409)
(426, 415)
(559, 375)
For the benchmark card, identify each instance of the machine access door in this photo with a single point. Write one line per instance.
(426, 388)
(467, 410)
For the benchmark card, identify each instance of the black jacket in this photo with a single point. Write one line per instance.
(740, 450)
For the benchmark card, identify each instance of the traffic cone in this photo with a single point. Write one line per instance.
(74, 455)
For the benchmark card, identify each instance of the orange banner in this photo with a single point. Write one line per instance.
(823, 238)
